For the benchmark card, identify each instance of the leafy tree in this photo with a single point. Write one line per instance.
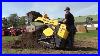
(13, 20)
(22, 21)
(4, 22)
(59, 18)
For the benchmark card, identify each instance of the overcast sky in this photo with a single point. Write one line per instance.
(53, 9)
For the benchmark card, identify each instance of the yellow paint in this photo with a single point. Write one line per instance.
(62, 32)
(48, 32)
(53, 22)
(44, 20)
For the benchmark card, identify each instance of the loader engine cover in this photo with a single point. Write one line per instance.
(53, 22)
(44, 20)
(62, 32)
(48, 32)
(47, 21)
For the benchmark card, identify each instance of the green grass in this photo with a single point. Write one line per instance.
(10, 51)
(93, 34)
(82, 18)
(8, 38)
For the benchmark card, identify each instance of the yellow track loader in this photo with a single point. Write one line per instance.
(54, 35)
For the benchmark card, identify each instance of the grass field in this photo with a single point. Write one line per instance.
(83, 18)
(87, 40)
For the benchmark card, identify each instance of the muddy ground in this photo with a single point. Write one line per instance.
(83, 45)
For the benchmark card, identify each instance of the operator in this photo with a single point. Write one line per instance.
(69, 21)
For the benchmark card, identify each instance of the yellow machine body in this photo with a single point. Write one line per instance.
(62, 32)
(48, 32)
(39, 18)
(48, 21)
(44, 20)
(53, 22)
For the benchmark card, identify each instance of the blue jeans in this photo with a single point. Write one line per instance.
(70, 38)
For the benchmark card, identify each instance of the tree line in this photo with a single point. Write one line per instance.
(13, 20)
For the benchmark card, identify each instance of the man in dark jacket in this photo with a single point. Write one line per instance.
(69, 21)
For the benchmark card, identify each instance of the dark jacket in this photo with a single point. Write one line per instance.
(69, 19)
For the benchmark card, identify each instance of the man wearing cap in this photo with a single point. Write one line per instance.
(69, 21)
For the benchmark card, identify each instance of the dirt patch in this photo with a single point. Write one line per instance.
(26, 40)
(81, 47)
(86, 46)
